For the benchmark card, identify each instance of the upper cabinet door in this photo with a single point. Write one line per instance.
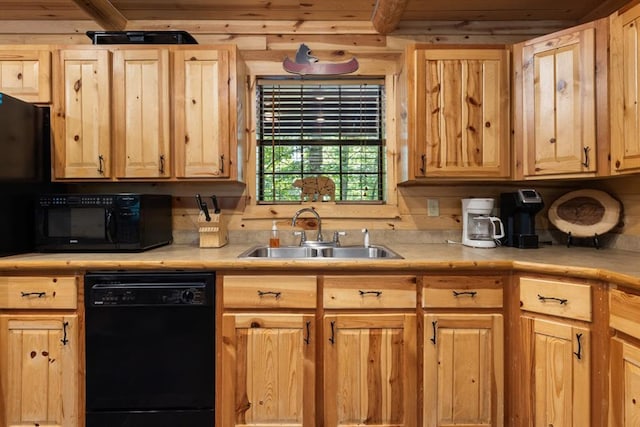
(461, 120)
(81, 118)
(202, 134)
(560, 112)
(26, 74)
(141, 113)
(625, 91)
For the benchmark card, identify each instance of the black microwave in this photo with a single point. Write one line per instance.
(124, 222)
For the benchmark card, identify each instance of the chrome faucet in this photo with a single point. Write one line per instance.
(313, 211)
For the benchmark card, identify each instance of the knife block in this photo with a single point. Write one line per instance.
(213, 234)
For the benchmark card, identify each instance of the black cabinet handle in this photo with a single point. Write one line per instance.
(307, 339)
(579, 352)
(376, 293)
(101, 164)
(434, 324)
(423, 169)
(64, 339)
(32, 294)
(472, 294)
(332, 338)
(162, 164)
(586, 157)
(222, 163)
(561, 301)
(275, 294)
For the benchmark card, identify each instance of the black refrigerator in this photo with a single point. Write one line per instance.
(25, 170)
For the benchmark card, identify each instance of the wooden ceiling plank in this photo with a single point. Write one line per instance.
(104, 13)
(386, 15)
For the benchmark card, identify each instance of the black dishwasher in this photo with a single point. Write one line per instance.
(150, 356)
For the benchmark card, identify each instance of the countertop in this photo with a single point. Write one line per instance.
(613, 265)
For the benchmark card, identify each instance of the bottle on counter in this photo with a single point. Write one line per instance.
(274, 240)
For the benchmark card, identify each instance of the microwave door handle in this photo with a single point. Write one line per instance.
(111, 227)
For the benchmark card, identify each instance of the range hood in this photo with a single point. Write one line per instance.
(141, 37)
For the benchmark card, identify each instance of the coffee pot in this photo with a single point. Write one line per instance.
(479, 228)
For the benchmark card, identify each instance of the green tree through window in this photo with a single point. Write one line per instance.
(330, 128)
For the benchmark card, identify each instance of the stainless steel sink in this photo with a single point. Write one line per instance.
(340, 252)
(282, 252)
(375, 252)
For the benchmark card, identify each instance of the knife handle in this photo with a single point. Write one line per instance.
(216, 208)
(203, 207)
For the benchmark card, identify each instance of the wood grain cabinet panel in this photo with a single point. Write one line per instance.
(26, 73)
(561, 114)
(28, 292)
(625, 91)
(81, 118)
(369, 292)
(39, 370)
(201, 91)
(463, 370)
(625, 384)
(268, 374)
(370, 369)
(557, 387)
(247, 291)
(141, 113)
(556, 298)
(460, 121)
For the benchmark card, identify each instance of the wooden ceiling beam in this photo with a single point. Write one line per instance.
(104, 13)
(386, 15)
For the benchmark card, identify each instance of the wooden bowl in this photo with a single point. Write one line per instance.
(585, 213)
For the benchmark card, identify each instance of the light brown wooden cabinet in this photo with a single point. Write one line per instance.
(202, 113)
(81, 115)
(267, 370)
(624, 397)
(458, 116)
(556, 352)
(25, 72)
(141, 113)
(625, 96)
(39, 351)
(370, 360)
(463, 351)
(114, 108)
(560, 103)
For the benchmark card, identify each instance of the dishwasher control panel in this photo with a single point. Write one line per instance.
(106, 294)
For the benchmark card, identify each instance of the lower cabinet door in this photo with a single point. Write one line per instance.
(38, 369)
(463, 370)
(268, 370)
(625, 384)
(557, 355)
(370, 370)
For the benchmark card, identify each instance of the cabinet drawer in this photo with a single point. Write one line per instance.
(623, 309)
(462, 292)
(369, 292)
(38, 292)
(563, 299)
(269, 291)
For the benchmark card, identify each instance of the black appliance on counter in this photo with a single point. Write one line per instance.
(518, 211)
(120, 222)
(150, 349)
(24, 170)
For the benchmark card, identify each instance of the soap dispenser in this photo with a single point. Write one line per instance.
(274, 240)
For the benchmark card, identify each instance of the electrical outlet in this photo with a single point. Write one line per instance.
(433, 207)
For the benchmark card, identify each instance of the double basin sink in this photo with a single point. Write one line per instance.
(308, 252)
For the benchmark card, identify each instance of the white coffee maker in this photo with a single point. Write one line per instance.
(479, 228)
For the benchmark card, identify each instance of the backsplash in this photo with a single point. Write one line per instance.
(412, 224)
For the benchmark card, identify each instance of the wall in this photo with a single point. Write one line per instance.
(262, 44)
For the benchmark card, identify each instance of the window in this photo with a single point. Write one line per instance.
(317, 128)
